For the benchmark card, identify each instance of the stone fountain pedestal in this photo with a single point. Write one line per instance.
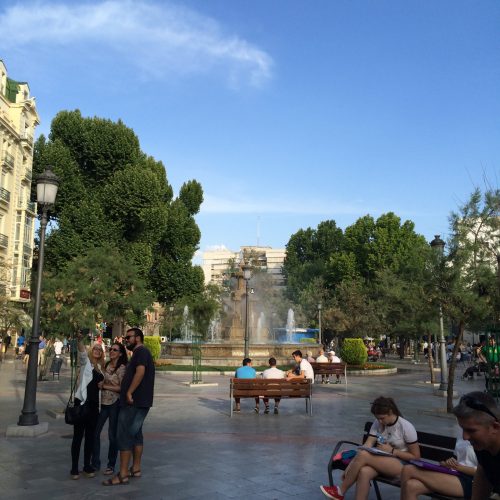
(232, 353)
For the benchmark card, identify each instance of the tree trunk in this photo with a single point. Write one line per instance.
(453, 364)
(402, 347)
(430, 359)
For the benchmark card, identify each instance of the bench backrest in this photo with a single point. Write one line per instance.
(295, 388)
(432, 446)
(328, 368)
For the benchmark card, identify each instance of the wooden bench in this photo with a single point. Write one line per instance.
(271, 388)
(330, 369)
(432, 447)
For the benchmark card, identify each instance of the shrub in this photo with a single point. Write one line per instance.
(153, 344)
(354, 352)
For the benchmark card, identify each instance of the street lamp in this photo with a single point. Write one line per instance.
(171, 309)
(319, 323)
(247, 274)
(46, 189)
(437, 244)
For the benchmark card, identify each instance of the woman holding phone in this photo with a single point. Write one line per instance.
(110, 406)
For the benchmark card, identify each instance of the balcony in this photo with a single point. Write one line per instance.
(4, 241)
(26, 249)
(28, 175)
(31, 207)
(4, 195)
(27, 138)
(8, 161)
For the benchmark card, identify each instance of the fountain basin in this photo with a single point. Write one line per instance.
(231, 353)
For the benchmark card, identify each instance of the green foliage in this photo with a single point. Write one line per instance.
(354, 352)
(112, 193)
(154, 346)
(101, 285)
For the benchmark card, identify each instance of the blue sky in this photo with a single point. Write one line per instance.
(288, 112)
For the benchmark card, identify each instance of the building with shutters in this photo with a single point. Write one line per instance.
(18, 120)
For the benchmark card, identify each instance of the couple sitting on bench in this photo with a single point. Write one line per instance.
(392, 451)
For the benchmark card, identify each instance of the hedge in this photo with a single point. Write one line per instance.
(354, 352)
(153, 344)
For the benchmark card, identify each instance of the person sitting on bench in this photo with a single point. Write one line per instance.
(390, 433)
(272, 372)
(246, 371)
(416, 481)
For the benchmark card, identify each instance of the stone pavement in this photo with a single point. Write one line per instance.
(193, 449)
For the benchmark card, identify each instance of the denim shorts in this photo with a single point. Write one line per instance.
(130, 420)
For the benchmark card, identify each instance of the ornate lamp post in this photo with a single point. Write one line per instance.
(247, 274)
(319, 323)
(46, 189)
(438, 245)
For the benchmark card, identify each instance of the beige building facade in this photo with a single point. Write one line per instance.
(18, 120)
(216, 263)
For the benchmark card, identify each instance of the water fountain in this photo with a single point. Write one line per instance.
(224, 343)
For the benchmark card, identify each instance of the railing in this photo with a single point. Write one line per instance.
(31, 206)
(26, 136)
(8, 160)
(4, 240)
(28, 175)
(27, 249)
(4, 195)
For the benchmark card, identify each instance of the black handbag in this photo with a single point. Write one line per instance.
(75, 412)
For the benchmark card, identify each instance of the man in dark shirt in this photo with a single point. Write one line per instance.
(136, 398)
(478, 416)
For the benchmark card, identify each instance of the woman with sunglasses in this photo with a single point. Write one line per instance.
(87, 394)
(110, 406)
(391, 434)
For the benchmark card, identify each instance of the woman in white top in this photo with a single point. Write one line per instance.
(87, 393)
(390, 433)
(416, 481)
(110, 406)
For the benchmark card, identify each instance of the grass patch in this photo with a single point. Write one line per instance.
(370, 366)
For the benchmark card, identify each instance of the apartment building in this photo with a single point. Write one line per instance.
(217, 262)
(18, 119)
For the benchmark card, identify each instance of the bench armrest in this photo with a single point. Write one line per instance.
(337, 448)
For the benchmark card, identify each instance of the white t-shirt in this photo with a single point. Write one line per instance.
(58, 345)
(273, 372)
(306, 367)
(465, 453)
(321, 359)
(400, 434)
(335, 359)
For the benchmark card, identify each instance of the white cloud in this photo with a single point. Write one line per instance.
(161, 39)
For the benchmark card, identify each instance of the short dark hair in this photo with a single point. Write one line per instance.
(272, 361)
(137, 332)
(297, 353)
(246, 361)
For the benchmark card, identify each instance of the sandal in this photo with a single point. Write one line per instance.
(108, 471)
(266, 411)
(256, 409)
(134, 473)
(121, 480)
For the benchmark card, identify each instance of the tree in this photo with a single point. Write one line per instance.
(465, 278)
(101, 285)
(113, 193)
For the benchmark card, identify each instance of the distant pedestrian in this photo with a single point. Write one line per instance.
(58, 347)
(8, 340)
(136, 398)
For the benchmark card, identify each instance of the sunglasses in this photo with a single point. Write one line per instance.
(477, 405)
(129, 337)
(115, 349)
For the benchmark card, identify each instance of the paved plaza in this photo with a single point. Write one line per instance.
(193, 449)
